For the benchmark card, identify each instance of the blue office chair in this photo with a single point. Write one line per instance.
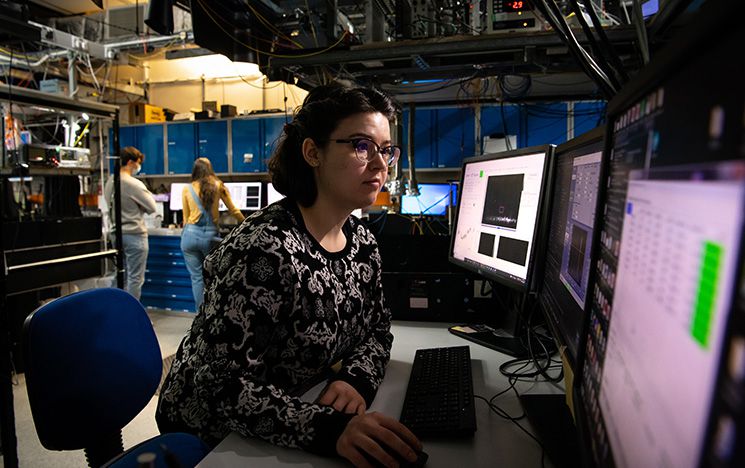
(92, 364)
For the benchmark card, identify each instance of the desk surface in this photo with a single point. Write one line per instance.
(497, 441)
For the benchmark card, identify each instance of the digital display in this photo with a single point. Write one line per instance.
(498, 213)
(433, 199)
(515, 5)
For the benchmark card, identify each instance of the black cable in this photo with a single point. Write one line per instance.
(542, 370)
(568, 38)
(641, 30)
(574, 45)
(599, 56)
(611, 51)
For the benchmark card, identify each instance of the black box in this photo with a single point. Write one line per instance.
(203, 115)
(436, 297)
(226, 110)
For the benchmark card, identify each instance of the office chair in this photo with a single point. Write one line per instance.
(92, 364)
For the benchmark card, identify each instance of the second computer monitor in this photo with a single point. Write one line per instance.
(433, 200)
(564, 289)
(498, 214)
(245, 195)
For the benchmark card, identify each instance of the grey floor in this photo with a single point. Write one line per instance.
(170, 327)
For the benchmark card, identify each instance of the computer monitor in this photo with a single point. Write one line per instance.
(176, 202)
(498, 213)
(272, 195)
(564, 289)
(245, 195)
(662, 373)
(496, 230)
(433, 200)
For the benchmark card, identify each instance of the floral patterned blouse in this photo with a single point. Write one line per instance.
(279, 311)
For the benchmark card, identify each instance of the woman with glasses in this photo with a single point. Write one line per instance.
(294, 296)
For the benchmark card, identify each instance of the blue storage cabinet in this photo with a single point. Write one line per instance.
(247, 145)
(272, 129)
(149, 140)
(181, 147)
(212, 143)
(146, 138)
(546, 123)
(455, 137)
(425, 129)
(167, 282)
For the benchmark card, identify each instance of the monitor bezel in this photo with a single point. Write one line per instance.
(593, 137)
(539, 231)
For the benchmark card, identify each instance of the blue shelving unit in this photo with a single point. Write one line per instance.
(167, 282)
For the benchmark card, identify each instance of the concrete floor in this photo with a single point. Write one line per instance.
(170, 327)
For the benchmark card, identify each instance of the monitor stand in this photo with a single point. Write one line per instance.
(494, 338)
(553, 425)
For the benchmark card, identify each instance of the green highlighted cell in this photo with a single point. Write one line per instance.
(703, 308)
(481, 173)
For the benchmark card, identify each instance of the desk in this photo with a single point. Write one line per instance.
(497, 442)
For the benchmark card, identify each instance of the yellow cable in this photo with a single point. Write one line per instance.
(80, 137)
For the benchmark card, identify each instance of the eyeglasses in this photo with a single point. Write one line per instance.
(366, 150)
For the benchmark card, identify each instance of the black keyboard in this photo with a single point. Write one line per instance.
(439, 398)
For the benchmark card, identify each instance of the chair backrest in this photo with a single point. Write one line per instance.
(92, 364)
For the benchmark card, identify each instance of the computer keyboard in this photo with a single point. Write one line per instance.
(439, 398)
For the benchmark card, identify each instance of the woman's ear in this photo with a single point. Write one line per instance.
(310, 152)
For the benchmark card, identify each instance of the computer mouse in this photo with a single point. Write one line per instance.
(421, 459)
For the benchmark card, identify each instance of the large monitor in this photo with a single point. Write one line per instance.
(433, 200)
(564, 290)
(497, 229)
(245, 195)
(498, 213)
(663, 374)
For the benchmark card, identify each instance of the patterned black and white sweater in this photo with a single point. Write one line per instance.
(279, 310)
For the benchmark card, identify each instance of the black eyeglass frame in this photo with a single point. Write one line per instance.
(390, 160)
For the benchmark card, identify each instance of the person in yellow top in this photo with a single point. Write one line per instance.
(201, 199)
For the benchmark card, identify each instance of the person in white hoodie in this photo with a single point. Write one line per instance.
(136, 200)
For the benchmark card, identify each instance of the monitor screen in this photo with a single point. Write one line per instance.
(563, 292)
(271, 194)
(176, 202)
(665, 342)
(246, 196)
(433, 199)
(498, 214)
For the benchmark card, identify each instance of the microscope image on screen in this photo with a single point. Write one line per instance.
(486, 244)
(502, 204)
(577, 253)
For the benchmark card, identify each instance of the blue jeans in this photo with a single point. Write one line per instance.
(135, 250)
(196, 243)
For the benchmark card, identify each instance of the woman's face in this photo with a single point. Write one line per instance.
(341, 176)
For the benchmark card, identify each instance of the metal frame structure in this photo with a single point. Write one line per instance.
(26, 97)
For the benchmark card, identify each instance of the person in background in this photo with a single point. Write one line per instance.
(201, 199)
(294, 297)
(136, 201)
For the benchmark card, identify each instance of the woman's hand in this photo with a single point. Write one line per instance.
(375, 435)
(343, 397)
